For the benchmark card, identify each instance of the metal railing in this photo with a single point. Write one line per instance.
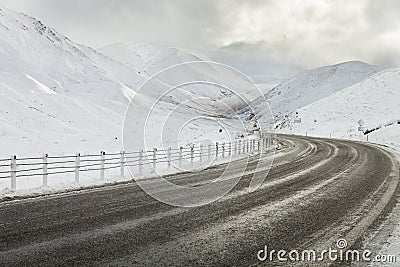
(48, 165)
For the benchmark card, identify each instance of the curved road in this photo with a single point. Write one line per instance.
(317, 191)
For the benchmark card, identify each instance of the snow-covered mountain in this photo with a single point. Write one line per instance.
(28, 46)
(375, 103)
(57, 95)
(198, 93)
(313, 85)
(60, 96)
(150, 60)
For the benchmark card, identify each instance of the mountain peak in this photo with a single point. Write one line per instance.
(354, 64)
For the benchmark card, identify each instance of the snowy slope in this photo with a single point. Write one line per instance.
(313, 85)
(61, 97)
(236, 90)
(134, 55)
(35, 119)
(376, 101)
(58, 96)
(150, 60)
(29, 46)
(389, 135)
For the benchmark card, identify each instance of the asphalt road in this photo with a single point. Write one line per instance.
(316, 192)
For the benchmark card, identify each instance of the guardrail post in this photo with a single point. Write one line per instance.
(223, 150)
(140, 161)
(180, 156)
(45, 156)
(154, 157)
(122, 160)
(244, 146)
(201, 153)
(13, 173)
(77, 166)
(230, 149)
(258, 145)
(102, 161)
(169, 157)
(209, 151)
(216, 151)
(240, 144)
(191, 153)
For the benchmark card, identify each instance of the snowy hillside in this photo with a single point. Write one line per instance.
(61, 97)
(56, 95)
(313, 85)
(28, 46)
(375, 101)
(150, 59)
(133, 55)
(35, 119)
(147, 58)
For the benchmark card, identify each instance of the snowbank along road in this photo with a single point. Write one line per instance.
(317, 191)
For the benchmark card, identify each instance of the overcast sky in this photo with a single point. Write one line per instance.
(270, 37)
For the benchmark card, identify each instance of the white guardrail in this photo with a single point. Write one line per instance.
(48, 165)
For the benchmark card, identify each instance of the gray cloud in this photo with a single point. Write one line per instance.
(383, 16)
(268, 38)
(101, 22)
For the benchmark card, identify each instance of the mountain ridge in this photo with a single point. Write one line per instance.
(311, 85)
